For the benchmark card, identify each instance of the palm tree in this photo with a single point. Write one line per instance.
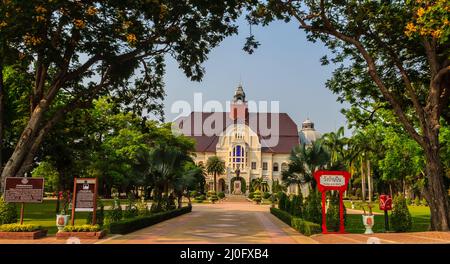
(215, 166)
(165, 167)
(189, 180)
(304, 161)
(260, 184)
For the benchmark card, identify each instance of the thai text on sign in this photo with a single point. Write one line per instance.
(24, 190)
(332, 180)
(85, 195)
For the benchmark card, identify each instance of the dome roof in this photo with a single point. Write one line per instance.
(308, 134)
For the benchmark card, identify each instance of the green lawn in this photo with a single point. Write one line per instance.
(43, 214)
(420, 218)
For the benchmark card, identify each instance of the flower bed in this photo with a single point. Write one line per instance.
(81, 231)
(18, 231)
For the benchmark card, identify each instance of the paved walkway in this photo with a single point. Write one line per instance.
(236, 220)
(233, 221)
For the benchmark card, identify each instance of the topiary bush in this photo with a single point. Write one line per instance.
(257, 196)
(221, 195)
(287, 204)
(282, 197)
(313, 207)
(100, 213)
(333, 213)
(401, 220)
(115, 214)
(417, 201)
(267, 195)
(305, 227)
(251, 195)
(424, 202)
(296, 206)
(130, 225)
(212, 196)
(8, 212)
(282, 215)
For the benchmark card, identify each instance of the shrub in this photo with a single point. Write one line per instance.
(296, 205)
(19, 228)
(221, 195)
(115, 214)
(82, 228)
(257, 196)
(266, 195)
(417, 201)
(305, 227)
(313, 207)
(424, 202)
(282, 215)
(100, 213)
(142, 208)
(193, 194)
(8, 212)
(130, 225)
(408, 201)
(201, 197)
(282, 197)
(401, 220)
(209, 193)
(333, 213)
(251, 195)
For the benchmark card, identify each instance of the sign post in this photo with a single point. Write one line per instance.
(386, 205)
(84, 197)
(24, 190)
(332, 181)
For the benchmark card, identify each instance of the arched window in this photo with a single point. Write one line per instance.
(284, 166)
(238, 157)
(275, 167)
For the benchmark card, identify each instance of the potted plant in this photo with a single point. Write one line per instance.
(62, 219)
(368, 219)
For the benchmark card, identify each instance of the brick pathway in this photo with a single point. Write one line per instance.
(238, 221)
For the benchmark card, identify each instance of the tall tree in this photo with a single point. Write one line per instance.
(215, 166)
(382, 62)
(89, 48)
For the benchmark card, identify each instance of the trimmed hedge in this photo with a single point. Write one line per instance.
(19, 228)
(305, 227)
(282, 215)
(130, 225)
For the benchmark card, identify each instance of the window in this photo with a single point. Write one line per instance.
(284, 166)
(275, 166)
(238, 157)
(265, 166)
(253, 165)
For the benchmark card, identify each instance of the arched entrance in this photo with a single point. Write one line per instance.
(221, 185)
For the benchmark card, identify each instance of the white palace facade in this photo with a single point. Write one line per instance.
(253, 145)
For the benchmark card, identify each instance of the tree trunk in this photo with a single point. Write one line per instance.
(2, 109)
(369, 181)
(436, 194)
(215, 182)
(363, 181)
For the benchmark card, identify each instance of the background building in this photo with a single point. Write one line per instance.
(254, 145)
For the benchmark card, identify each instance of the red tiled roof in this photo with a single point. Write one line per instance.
(260, 123)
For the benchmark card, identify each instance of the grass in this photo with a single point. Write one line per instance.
(420, 218)
(43, 214)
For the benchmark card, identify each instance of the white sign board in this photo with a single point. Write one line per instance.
(332, 180)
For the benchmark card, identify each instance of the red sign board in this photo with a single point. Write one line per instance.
(24, 190)
(385, 202)
(332, 180)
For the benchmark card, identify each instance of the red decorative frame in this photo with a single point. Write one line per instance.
(341, 189)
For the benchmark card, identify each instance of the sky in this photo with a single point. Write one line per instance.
(285, 68)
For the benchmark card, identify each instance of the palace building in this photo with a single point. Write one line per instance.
(252, 145)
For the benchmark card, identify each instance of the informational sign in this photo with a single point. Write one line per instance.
(332, 181)
(24, 190)
(85, 194)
